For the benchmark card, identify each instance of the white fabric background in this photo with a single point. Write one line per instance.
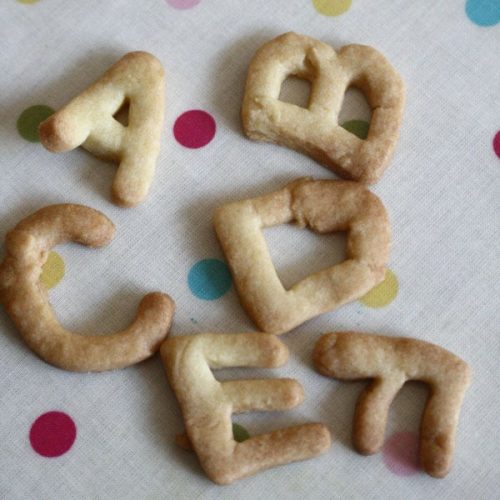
(442, 192)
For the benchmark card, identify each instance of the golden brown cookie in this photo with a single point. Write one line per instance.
(88, 121)
(323, 206)
(26, 300)
(207, 404)
(315, 131)
(390, 362)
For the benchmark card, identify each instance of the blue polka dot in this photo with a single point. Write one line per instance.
(483, 12)
(209, 279)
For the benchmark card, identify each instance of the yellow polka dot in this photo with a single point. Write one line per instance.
(332, 7)
(384, 293)
(52, 270)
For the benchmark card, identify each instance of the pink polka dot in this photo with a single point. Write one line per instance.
(183, 4)
(194, 128)
(401, 453)
(52, 434)
(496, 144)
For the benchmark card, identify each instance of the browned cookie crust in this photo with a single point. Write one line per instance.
(390, 362)
(26, 300)
(207, 404)
(315, 131)
(323, 206)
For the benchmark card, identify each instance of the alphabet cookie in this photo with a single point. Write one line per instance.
(390, 362)
(25, 298)
(315, 131)
(88, 121)
(207, 404)
(323, 206)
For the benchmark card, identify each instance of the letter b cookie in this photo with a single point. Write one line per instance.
(315, 131)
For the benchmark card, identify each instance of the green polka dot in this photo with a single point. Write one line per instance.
(240, 434)
(30, 118)
(357, 127)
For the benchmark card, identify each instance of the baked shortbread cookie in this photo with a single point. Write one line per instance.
(207, 404)
(390, 362)
(323, 206)
(315, 131)
(26, 300)
(88, 121)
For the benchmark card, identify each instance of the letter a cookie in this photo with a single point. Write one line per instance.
(207, 404)
(88, 121)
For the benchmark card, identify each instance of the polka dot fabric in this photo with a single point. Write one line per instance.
(112, 435)
(209, 279)
(384, 293)
(400, 453)
(30, 118)
(194, 129)
(483, 12)
(52, 270)
(332, 7)
(52, 434)
(496, 144)
(183, 4)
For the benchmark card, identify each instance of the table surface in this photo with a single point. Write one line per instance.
(113, 433)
